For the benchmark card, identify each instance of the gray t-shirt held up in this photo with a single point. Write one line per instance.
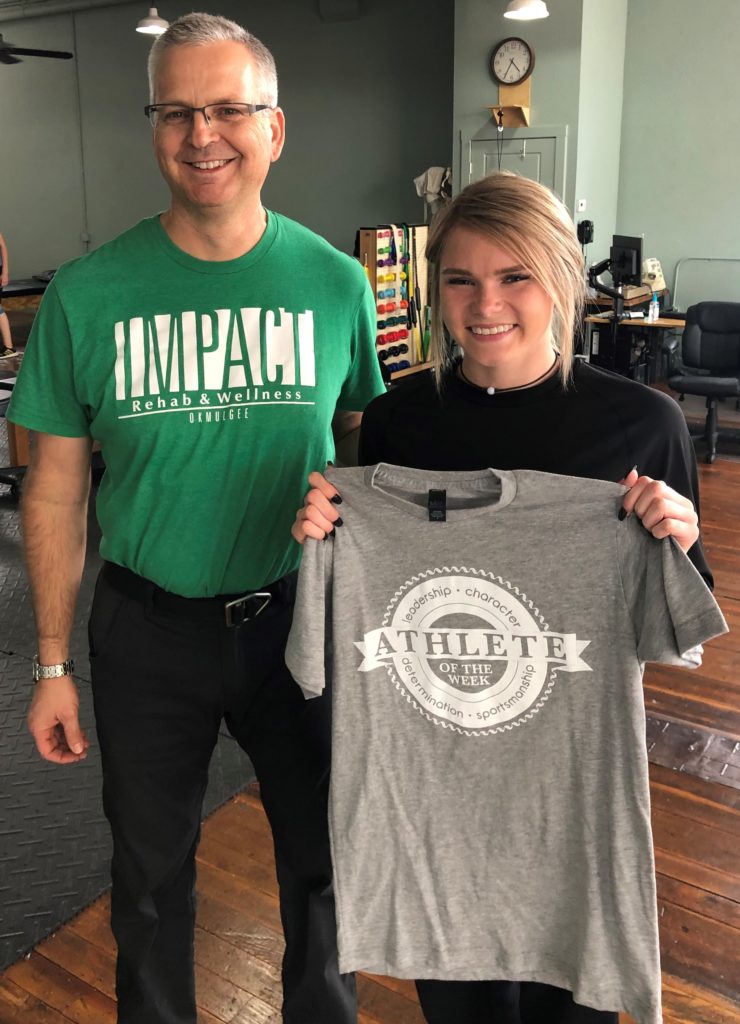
(489, 808)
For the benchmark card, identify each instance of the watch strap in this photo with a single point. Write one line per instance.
(62, 668)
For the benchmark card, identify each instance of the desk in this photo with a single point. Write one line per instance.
(602, 352)
(24, 294)
(18, 446)
(17, 443)
(599, 301)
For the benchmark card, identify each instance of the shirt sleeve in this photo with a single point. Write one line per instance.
(678, 469)
(655, 438)
(308, 651)
(363, 381)
(672, 609)
(45, 397)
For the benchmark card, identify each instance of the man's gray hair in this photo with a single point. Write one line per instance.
(198, 28)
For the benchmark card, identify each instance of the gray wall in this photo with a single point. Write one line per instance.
(680, 158)
(365, 118)
(650, 94)
(368, 104)
(479, 24)
(600, 117)
(41, 193)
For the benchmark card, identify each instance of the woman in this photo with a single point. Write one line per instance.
(507, 285)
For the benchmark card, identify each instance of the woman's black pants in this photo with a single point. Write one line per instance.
(504, 1002)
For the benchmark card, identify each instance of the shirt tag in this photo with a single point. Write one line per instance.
(437, 506)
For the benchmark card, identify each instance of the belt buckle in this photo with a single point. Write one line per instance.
(239, 610)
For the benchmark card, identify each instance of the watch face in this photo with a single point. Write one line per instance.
(512, 61)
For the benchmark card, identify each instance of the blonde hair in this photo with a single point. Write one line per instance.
(534, 227)
(198, 28)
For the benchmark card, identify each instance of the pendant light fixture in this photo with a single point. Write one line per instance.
(526, 10)
(152, 25)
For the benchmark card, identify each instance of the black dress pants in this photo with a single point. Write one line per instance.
(504, 1002)
(165, 672)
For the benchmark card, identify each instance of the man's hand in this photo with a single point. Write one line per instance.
(663, 511)
(54, 723)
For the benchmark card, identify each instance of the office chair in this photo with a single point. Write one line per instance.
(710, 357)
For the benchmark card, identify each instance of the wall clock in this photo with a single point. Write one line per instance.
(512, 61)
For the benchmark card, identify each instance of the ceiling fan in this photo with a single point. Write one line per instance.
(8, 53)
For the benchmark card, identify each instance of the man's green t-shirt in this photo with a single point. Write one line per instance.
(211, 387)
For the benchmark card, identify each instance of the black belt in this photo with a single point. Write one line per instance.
(233, 609)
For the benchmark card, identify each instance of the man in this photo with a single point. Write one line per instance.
(206, 349)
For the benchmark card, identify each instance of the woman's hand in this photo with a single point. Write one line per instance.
(319, 515)
(662, 511)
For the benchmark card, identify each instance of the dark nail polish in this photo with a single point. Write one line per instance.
(337, 499)
(622, 514)
(339, 521)
(330, 533)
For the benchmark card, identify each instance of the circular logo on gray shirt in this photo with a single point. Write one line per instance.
(469, 650)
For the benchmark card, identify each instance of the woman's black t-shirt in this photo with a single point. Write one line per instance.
(599, 427)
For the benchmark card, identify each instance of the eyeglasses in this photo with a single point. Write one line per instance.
(177, 115)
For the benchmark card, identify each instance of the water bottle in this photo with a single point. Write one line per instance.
(653, 309)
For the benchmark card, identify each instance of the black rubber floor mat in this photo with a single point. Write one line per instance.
(54, 842)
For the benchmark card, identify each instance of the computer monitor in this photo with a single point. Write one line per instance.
(625, 257)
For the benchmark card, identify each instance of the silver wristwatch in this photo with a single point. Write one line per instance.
(64, 668)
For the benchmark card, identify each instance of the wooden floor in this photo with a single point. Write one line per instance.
(696, 825)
